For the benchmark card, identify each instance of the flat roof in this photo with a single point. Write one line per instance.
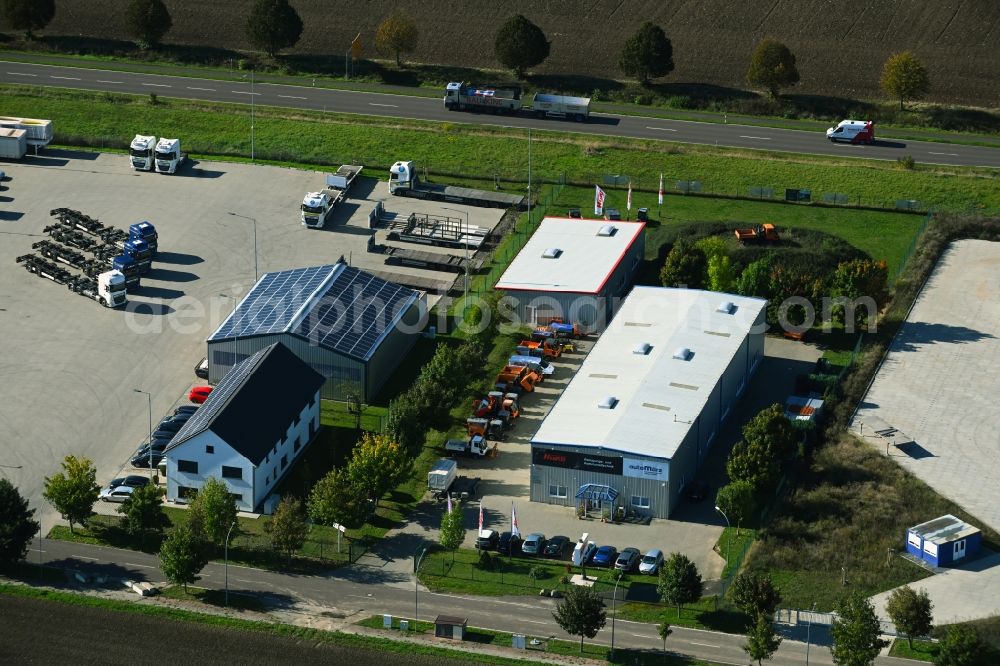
(584, 257)
(655, 396)
(945, 529)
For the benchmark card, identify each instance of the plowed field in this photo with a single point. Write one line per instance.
(840, 45)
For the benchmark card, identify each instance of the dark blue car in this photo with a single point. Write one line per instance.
(605, 556)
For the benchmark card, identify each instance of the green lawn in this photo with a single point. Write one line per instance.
(213, 597)
(921, 651)
(709, 613)
(304, 137)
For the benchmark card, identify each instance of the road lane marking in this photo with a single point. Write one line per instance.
(948, 154)
(662, 129)
(290, 97)
(395, 106)
(156, 85)
(208, 89)
(242, 580)
(717, 647)
(99, 81)
(84, 557)
(243, 92)
(534, 621)
(759, 138)
(640, 636)
(64, 78)
(21, 74)
(133, 564)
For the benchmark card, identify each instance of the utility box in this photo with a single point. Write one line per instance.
(642, 215)
(446, 626)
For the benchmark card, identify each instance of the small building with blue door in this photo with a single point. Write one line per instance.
(943, 541)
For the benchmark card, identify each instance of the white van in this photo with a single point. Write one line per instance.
(853, 131)
(583, 550)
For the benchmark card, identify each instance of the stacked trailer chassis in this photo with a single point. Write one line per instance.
(398, 256)
(436, 230)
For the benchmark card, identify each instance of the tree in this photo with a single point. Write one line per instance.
(856, 632)
(664, 630)
(182, 556)
(397, 33)
(910, 611)
(752, 463)
(755, 594)
(647, 54)
(859, 279)
(738, 500)
(520, 45)
(772, 428)
(762, 642)
(686, 266)
(772, 66)
(961, 646)
(28, 15)
(212, 512)
(73, 491)
(680, 583)
(287, 527)
(334, 500)
(405, 422)
(581, 613)
(17, 525)
(452, 532)
(755, 278)
(273, 25)
(147, 21)
(377, 465)
(905, 77)
(719, 270)
(143, 510)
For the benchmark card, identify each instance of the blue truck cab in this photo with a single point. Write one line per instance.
(129, 269)
(144, 231)
(139, 252)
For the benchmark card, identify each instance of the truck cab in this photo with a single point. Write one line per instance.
(111, 289)
(402, 176)
(145, 231)
(140, 152)
(315, 206)
(168, 155)
(128, 268)
(139, 252)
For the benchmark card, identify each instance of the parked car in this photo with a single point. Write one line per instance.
(185, 409)
(164, 435)
(627, 560)
(142, 462)
(487, 540)
(201, 370)
(135, 481)
(173, 423)
(556, 546)
(116, 494)
(604, 556)
(651, 562)
(696, 491)
(534, 544)
(583, 551)
(199, 394)
(509, 544)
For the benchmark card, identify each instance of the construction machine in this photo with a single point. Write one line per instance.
(761, 233)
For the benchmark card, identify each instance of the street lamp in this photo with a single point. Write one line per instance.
(252, 95)
(465, 244)
(416, 581)
(254, 220)
(614, 599)
(227, 561)
(728, 534)
(149, 442)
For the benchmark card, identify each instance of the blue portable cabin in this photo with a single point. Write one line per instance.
(944, 541)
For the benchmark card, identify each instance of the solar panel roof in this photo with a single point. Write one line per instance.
(337, 307)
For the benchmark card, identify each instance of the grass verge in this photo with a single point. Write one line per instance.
(213, 597)
(709, 613)
(921, 650)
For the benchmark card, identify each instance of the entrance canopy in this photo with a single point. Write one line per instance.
(597, 493)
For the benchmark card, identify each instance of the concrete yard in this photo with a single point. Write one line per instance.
(939, 383)
(70, 366)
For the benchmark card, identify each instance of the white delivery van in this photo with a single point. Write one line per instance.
(853, 131)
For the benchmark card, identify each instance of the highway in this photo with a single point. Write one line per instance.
(360, 591)
(431, 109)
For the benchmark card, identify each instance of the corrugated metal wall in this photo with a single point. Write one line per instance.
(396, 345)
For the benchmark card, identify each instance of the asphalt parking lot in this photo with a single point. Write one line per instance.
(70, 366)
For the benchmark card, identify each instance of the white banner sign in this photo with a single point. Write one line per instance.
(644, 469)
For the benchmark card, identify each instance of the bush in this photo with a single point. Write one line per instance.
(906, 162)
(537, 573)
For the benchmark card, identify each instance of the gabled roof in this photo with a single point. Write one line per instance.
(336, 307)
(255, 402)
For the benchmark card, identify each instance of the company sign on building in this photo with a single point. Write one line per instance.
(644, 469)
(581, 461)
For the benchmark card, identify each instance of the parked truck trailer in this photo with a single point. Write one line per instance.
(318, 206)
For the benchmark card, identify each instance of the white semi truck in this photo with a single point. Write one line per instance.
(508, 99)
(140, 152)
(404, 181)
(168, 155)
(317, 206)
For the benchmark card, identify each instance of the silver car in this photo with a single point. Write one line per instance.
(116, 493)
(534, 544)
(651, 562)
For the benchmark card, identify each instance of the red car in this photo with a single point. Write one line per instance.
(199, 394)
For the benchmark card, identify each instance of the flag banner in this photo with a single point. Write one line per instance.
(598, 200)
(659, 199)
(480, 516)
(449, 502)
(514, 529)
(628, 202)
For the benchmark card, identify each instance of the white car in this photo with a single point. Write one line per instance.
(116, 493)
(651, 561)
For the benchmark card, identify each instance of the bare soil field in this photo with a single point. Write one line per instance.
(840, 46)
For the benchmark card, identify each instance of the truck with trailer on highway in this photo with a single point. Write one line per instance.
(508, 99)
(317, 206)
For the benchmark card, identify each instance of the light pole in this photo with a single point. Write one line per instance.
(227, 561)
(614, 600)
(465, 244)
(728, 539)
(416, 582)
(809, 627)
(252, 95)
(254, 220)
(149, 442)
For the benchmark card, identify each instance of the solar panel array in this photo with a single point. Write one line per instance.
(272, 304)
(353, 313)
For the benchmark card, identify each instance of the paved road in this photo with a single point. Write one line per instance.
(358, 592)
(380, 104)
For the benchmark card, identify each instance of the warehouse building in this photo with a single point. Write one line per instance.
(642, 412)
(575, 270)
(350, 326)
(259, 419)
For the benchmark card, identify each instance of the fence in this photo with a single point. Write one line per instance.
(908, 253)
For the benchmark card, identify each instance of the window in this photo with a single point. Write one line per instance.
(298, 442)
(284, 461)
(232, 472)
(187, 466)
(237, 497)
(209, 448)
(312, 429)
(557, 491)
(640, 502)
(186, 492)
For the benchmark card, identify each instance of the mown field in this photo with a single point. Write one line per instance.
(840, 47)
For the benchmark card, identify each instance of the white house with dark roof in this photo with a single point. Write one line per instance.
(251, 429)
